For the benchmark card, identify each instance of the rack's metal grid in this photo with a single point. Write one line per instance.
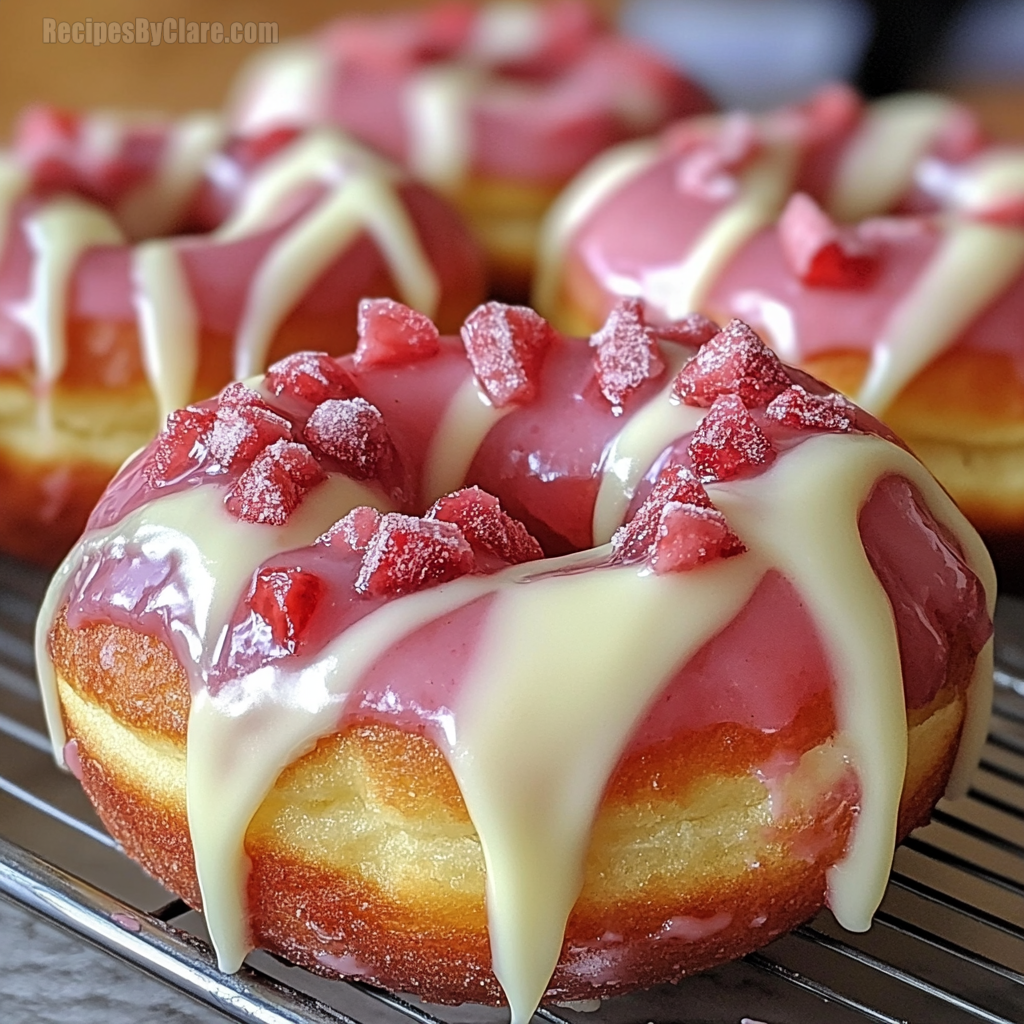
(947, 945)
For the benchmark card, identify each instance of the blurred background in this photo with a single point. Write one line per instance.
(747, 52)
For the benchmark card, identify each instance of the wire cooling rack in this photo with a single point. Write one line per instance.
(947, 945)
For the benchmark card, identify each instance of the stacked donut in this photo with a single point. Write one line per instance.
(353, 635)
(881, 247)
(497, 105)
(108, 321)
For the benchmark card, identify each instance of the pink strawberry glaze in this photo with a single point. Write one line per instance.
(541, 460)
(538, 119)
(650, 223)
(219, 272)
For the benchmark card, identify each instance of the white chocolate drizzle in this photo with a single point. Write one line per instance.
(974, 264)
(59, 233)
(881, 160)
(286, 85)
(633, 450)
(437, 119)
(466, 422)
(761, 190)
(581, 197)
(168, 324)
(358, 198)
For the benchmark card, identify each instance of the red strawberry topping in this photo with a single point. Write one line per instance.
(688, 536)
(273, 487)
(486, 526)
(728, 443)
(408, 554)
(286, 599)
(798, 408)
(352, 532)
(244, 426)
(694, 329)
(734, 362)
(180, 446)
(311, 376)
(506, 347)
(819, 252)
(352, 431)
(627, 352)
(675, 483)
(390, 333)
(709, 166)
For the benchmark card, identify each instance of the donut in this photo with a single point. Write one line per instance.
(497, 106)
(512, 667)
(148, 263)
(878, 246)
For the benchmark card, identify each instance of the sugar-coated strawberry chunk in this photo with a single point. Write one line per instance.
(734, 362)
(709, 166)
(408, 554)
(627, 352)
(352, 532)
(352, 431)
(675, 483)
(819, 252)
(311, 376)
(798, 408)
(486, 526)
(273, 487)
(286, 599)
(728, 443)
(694, 329)
(390, 334)
(244, 425)
(180, 446)
(688, 536)
(506, 347)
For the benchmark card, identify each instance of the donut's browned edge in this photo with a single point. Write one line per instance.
(684, 835)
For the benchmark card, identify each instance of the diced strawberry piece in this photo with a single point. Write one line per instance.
(273, 487)
(408, 554)
(506, 347)
(728, 443)
(689, 536)
(694, 330)
(960, 137)
(675, 483)
(486, 526)
(734, 362)
(244, 426)
(390, 333)
(709, 166)
(352, 532)
(627, 352)
(798, 408)
(352, 431)
(311, 376)
(41, 129)
(286, 600)
(819, 252)
(180, 446)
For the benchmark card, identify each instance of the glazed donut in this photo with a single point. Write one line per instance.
(880, 247)
(107, 323)
(601, 626)
(497, 106)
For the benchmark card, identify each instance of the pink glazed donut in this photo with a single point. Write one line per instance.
(145, 264)
(496, 105)
(515, 667)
